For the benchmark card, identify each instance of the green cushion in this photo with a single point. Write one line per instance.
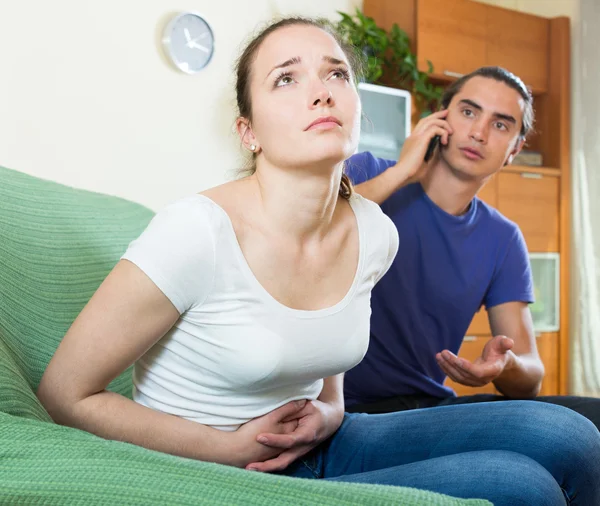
(57, 244)
(16, 396)
(60, 465)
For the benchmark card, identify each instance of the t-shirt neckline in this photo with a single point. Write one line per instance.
(266, 295)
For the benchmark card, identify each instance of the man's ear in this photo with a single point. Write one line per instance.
(247, 137)
(515, 151)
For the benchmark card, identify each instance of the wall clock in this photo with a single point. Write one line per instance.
(189, 42)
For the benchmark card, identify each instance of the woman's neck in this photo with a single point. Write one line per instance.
(298, 202)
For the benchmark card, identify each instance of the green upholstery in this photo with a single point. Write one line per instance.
(56, 246)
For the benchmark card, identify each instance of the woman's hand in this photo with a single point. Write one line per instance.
(281, 421)
(315, 423)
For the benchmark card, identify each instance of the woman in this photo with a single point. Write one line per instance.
(242, 307)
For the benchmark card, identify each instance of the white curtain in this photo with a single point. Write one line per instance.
(585, 252)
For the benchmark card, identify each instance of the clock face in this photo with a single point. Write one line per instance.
(189, 42)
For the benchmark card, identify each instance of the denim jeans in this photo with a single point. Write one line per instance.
(586, 406)
(510, 453)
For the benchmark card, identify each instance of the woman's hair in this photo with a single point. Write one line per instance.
(503, 76)
(243, 72)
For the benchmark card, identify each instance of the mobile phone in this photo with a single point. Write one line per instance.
(431, 148)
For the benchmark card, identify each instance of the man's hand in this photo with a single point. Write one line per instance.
(411, 166)
(412, 158)
(281, 421)
(315, 423)
(494, 360)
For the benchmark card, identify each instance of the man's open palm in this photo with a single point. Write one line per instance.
(484, 369)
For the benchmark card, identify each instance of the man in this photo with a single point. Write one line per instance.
(456, 253)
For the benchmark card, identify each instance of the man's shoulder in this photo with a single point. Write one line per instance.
(494, 220)
(364, 166)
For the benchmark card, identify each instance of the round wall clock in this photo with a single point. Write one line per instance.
(189, 42)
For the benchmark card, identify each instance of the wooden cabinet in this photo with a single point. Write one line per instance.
(451, 35)
(548, 348)
(518, 42)
(471, 349)
(532, 202)
(480, 325)
(458, 36)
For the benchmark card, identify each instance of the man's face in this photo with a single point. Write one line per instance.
(486, 117)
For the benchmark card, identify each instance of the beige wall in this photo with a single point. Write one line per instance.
(547, 8)
(87, 99)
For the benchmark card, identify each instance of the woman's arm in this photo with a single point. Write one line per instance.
(333, 393)
(125, 317)
(316, 422)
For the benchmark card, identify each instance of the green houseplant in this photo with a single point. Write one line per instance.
(388, 54)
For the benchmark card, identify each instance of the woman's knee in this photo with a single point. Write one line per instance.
(505, 478)
(516, 479)
(568, 434)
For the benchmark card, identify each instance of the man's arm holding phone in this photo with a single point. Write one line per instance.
(412, 163)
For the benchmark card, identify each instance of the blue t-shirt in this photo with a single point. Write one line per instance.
(446, 268)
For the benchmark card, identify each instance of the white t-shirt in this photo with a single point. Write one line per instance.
(236, 353)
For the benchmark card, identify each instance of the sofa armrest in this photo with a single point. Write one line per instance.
(59, 465)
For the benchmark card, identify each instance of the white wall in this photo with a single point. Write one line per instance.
(87, 99)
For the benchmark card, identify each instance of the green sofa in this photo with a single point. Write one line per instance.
(56, 246)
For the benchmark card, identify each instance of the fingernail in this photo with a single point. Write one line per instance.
(262, 439)
(301, 403)
(251, 469)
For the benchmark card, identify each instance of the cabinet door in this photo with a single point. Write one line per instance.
(547, 344)
(532, 202)
(471, 350)
(480, 325)
(451, 34)
(519, 42)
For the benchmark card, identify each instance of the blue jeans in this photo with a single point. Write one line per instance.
(510, 453)
(586, 406)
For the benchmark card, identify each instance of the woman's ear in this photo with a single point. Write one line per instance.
(247, 137)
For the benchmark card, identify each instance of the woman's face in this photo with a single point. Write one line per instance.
(305, 107)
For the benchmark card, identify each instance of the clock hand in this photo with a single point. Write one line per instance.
(186, 32)
(193, 44)
(204, 35)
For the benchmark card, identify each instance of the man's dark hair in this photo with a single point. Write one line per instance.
(501, 75)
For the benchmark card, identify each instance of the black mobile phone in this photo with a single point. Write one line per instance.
(431, 148)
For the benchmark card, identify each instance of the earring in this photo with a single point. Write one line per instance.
(252, 147)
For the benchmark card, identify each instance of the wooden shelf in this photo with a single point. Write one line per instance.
(542, 171)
